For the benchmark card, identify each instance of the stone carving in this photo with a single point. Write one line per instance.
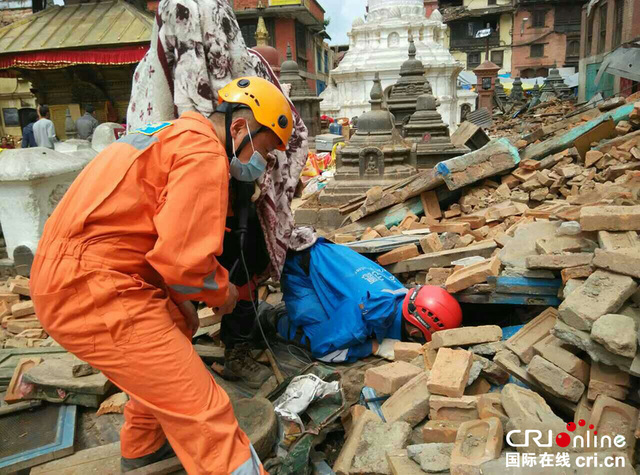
(412, 83)
(426, 129)
(393, 39)
(375, 155)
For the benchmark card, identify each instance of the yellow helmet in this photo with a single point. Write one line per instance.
(269, 105)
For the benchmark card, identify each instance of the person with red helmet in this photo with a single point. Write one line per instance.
(429, 308)
(343, 306)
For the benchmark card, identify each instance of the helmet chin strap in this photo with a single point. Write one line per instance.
(228, 109)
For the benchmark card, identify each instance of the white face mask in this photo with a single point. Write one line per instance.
(250, 171)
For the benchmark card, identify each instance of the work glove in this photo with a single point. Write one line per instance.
(385, 349)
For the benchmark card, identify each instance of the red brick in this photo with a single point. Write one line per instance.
(451, 227)
(430, 354)
(478, 387)
(440, 432)
(612, 418)
(431, 205)
(459, 409)
(450, 372)
(23, 309)
(558, 261)
(555, 380)
(388, 378)
(550, 348)
(610, 218)
(431, 243)
(410, 403)
(473, 274)
(466, 336)
(477, 442)
(511, 181)
(522, 342)
(578, 272)
(490, 405)
(406, 351)
(438, 275)
(399, 254)
(369, 234)
(382, 230)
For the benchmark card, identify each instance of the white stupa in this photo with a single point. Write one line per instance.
(379, 45)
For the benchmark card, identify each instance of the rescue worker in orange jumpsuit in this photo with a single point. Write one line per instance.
(134, 239)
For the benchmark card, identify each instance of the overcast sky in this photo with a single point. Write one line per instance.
(342, 13)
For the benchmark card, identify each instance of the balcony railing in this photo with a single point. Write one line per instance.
(475, 43)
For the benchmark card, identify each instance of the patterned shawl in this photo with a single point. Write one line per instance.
(196, 49)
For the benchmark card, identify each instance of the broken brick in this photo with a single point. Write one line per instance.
(388, 378)
(555, 380)
(473, 274)
(451, 227)
(410, 403)
(399, 254)
(443, 432)
(522, 342)
(578, 272)
(490, 405)
(430, 204)
(612, 418)
(603, 292)
(610, 218)
(460, 409)
(558, 261)
(438, 275)
(477, 442)
(466, 336)
(450, 372)
(623, 260)
(406, 351)
(551, 349)
(382, 230)
(431, 243)
(22, 309)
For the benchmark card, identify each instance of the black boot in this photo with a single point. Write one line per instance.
(163, 453)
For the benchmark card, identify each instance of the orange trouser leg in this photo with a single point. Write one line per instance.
(129, 330)
(141, 433)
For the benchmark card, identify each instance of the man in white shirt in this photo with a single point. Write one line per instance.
(43, 130)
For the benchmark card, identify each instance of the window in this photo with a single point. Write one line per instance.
(473, 60)
(301, 46)
(617, 30)
(491, 2)
(318, 61)
(573, 48)
(527, 73)
(497, 57)
(537, 20)
(537, 51)
(11, 117)
(249, 34)
(603, 28)
(326, 62)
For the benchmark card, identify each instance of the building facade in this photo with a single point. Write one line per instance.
(546, 34)
(606, 24)
(298, 23)
(465, 18)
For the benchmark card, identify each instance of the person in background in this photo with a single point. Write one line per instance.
(28, 139)
(7, 143)
(43, 130)
(86, 124)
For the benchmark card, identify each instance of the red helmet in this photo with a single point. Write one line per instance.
(431, 309)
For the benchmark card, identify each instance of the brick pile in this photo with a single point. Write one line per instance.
(19, 326)
(574, 216)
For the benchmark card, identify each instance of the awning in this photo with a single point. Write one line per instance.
(108, 33)
(623, 62)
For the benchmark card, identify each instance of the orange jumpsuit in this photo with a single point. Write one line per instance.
(136, 233)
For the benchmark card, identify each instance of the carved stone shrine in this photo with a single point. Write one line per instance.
(431, 134)
(375, 156)
(411, 85)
